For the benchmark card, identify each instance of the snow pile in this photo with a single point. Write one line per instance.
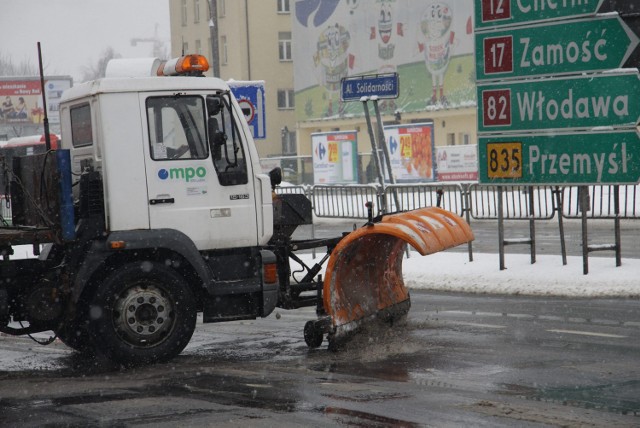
(449, 271)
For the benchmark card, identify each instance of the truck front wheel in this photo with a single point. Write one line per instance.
(143, 312)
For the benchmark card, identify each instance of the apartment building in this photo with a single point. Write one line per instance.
(253, 43)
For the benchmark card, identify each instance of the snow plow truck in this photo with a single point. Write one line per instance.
(154, 208)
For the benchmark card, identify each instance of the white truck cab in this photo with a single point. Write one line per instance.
(172, 155)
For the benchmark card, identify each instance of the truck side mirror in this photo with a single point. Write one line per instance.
(214, 105)
(275, 177)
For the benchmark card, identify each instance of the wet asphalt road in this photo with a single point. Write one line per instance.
(460, 360)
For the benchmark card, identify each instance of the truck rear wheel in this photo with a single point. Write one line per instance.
(143, 312)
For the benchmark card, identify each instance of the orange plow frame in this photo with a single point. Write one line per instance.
(364, 275)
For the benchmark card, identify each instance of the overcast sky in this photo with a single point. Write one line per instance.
(74, 33)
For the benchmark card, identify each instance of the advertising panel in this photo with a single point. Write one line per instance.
(411, 148)
(21, 99)
(428, 43)
(335, 157)
(457, 163)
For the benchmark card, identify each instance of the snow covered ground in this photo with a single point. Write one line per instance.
(452, 271)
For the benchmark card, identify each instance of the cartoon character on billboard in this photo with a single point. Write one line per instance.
(436, 45)
(385, 33)
(331, 60)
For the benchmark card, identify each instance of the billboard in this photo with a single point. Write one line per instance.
(429, 43)
(457, 163)
(335, 157)
(21, 99)
(411, 148)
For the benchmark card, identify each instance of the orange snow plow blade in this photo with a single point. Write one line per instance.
(364, 275)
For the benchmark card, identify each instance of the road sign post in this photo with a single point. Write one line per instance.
(544, 68)
(371, 88)
(250, 96)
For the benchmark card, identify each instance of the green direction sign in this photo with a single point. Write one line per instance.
(583, 45)
(498, 13)
(576, 158)
(583, 102)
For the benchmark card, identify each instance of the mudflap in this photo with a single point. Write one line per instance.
(363, 279)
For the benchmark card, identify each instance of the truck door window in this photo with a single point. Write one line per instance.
(224, 139)
(81, 129)
(177, 127)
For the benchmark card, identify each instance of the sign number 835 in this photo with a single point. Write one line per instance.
(504, 160)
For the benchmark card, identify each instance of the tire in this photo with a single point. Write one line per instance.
(75, 335)
(144, 312)
(312, 335)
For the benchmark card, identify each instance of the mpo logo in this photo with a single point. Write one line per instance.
(186, 174)
(320, 151)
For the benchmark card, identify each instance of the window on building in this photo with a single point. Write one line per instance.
(196, 11)
(185, 48)
(283, 6)
(183, 12)
(288, 142)
(198, 47)
(284, 45)
(224, 53)
(222, 8)
(286, 99)
(464, 138)
(451, 139)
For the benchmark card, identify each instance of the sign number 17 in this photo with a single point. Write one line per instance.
(498, 54)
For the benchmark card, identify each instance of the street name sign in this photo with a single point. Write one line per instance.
(378, 85)
(574, 158)
(600, 43)
(494, 13)
(570, 103)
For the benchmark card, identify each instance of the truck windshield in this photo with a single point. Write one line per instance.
(177, 127)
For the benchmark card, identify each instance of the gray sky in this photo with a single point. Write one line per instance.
(75, 33)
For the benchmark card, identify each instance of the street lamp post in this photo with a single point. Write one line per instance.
(213, 33)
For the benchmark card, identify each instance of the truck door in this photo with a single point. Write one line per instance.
(197, 174)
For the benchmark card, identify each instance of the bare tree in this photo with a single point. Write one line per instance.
(98, 69)
(9, 68)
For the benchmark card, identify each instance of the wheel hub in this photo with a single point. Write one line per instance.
(143, 315)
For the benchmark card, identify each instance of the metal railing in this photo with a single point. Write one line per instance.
(516, 203)
(480, 200)
(346, 201)
(602, 202)
(412, 196)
